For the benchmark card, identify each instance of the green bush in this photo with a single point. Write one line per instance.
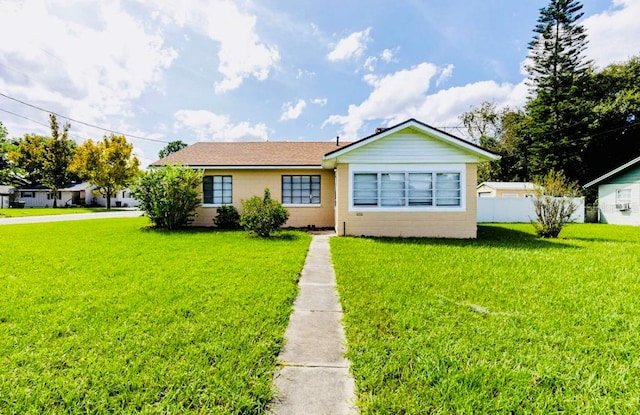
(262, 216)
(554, 203)
(227, 217)
(169, 195)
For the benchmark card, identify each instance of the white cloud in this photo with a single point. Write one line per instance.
(403, 95)
(292, 112)
(209, 126)
(352, 46)
(614, 35)
(86, 60)
(445, 74)
(370, 63)
(241, 54)
(391, 95)
(320, 101)
(386, 55)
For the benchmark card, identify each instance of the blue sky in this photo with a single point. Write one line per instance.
(222, 70)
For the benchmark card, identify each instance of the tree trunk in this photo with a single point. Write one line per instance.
(108, 200)
(54, 196)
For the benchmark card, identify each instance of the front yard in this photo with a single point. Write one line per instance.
(102, 316)
(18, 213)
(504, 324)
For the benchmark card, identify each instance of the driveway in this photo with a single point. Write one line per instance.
(72, 216)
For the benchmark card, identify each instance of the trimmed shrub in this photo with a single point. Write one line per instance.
(262, 216)
(227, 217)
(169, 195)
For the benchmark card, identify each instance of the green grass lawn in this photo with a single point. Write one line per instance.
(504, 324)
(18, 213)
(104, 316)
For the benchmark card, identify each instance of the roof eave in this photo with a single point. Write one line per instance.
(249, 166)
(612, 173)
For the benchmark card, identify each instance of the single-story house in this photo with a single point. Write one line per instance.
(407, 180)
(619, 194)
(120, 199)
(506, 189)
(5, 195)
(40, 196)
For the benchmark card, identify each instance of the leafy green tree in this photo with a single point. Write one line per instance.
(28, 156)
(8, 173)
(558, 76)
(263, 216)
(500, 131)
(169, 195)
(56, 157)
(554, 203)
(108, 164)
(172, 147)
(615, 126)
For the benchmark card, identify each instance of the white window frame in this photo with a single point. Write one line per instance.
(302, 205)
(217, 204)
(620, 200)
(410, 168)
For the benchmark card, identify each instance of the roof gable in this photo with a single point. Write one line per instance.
(410, 141)
(615, 172)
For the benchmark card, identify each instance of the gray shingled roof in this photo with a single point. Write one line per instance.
(263, 153)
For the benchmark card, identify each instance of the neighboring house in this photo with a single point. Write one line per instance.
(619, 194)
(120, 199)
(407, 180)
(506, 189)
(5, 195)
(40, 196)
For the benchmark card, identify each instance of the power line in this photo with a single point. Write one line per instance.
(37, 122)
(82, 122)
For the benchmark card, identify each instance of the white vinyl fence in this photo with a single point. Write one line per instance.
(513, 210)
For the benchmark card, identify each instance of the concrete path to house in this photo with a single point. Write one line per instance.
(72, 216)
(314, 378)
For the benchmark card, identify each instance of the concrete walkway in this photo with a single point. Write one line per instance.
(71, 216)
(315, 376)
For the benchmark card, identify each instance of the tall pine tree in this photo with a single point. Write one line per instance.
(558, 75)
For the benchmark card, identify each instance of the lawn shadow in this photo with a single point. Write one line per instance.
(489, 236)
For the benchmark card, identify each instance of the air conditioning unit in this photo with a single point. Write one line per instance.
(623, 206)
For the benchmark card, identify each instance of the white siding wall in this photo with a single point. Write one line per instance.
(408, 147)
(40, 200)
(512, 210)
(102, 201)
(607, 204)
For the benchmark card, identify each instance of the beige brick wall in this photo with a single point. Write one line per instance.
(406, 224)
(248, 183)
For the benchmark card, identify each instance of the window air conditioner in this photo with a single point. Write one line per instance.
(622, 206)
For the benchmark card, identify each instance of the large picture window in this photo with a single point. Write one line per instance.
(407, 189)
(217, 190)
(301, 190)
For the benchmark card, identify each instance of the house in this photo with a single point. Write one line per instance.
(407, 180)
(40, 196)
(119, 199)
(5, 195)
(619, 194)
(506, 189)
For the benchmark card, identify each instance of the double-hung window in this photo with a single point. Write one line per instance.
(217, 190)
(407, 189)
(300, 190)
